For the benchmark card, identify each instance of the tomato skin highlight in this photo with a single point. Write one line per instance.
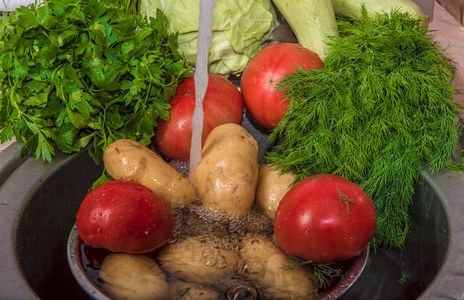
(315, 224)
(223, 103)
(259, 79)
(124, 216)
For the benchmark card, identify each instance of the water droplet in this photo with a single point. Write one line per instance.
(242, 292)
(211, 261)
(222, 263)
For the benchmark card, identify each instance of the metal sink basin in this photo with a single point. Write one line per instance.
(38, 203)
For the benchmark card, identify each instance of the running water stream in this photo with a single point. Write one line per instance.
(201, 81)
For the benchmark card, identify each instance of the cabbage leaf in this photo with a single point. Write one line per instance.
(240, 29)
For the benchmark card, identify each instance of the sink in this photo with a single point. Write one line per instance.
(39, 201)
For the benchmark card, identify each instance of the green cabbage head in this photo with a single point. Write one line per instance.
(240, 29)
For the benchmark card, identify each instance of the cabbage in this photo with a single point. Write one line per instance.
(240, 29)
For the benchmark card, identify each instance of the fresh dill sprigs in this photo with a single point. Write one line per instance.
(404, 278)
(184, 294)
(345, 201)
(324, 274)
(382, 105)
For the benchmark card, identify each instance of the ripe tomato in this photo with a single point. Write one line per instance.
(324, 218)
(222, 104)
(263, 72)
(124, 216)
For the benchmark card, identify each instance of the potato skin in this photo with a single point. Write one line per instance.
(135, 277)
(227, 175)
(126, 159)
(199, 260)
(262, 262)
(272, 186)
(194, 291)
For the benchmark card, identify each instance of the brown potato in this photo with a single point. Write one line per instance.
(272, 186)
(227, 175)
(263, 262)
(191, 291)
(199, 260)
(131, 276)
(129, 160)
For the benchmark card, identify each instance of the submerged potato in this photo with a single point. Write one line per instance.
(272, 186)
(194, 259)
(129, 160)
(187, 290)
(227, 175)
(134, 277)
(262, 262)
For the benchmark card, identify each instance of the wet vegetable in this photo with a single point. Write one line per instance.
(222, 104)
(124, 216)
(129, 160)
(324, 218)
(135, 277)
(196, 259)
(227, 175)
(272, 186)
(263, 262)
(259, 80)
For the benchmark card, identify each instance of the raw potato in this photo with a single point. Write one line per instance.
(134, 277)
(129, 160)
(272, 186)
(227, 175)
(194, 259)
(191, 291)
(262, 262)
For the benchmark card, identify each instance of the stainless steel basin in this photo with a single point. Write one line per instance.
(38, 203)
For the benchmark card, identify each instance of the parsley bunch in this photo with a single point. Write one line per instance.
(77, 72)
(382, 106)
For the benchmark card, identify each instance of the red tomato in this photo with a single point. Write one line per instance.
(124, 216)
(258, 82)
(222, 104)
(324, 218)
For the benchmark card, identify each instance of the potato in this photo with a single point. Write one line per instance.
(227, 175)
(191, 291)
(197, 260)
(272, 186)
(129, 160)
(131, 276)
(263, 262)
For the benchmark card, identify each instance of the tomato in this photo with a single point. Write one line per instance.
(222, 104)
(124, 216)
(260, 77)
(324, 218)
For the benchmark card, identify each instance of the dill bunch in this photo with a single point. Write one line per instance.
(382, 106)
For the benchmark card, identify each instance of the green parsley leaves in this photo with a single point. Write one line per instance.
(75, 73)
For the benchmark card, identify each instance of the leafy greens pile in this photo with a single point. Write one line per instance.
(381, 107)
(76, 72)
